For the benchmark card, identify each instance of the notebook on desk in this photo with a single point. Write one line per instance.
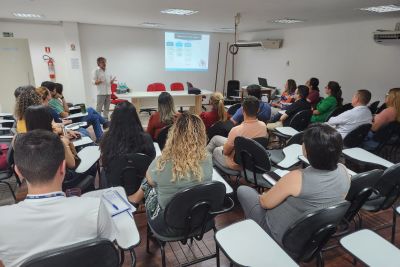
(115, 203)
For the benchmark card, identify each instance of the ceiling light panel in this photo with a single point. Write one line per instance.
(381, 9)
(27, 15)
(287, 21)
(180, 12)
(151, 24)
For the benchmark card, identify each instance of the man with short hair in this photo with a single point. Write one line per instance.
(300, 104)
(360, 114)
(46, 219)
(223, 149)
(103, 80)
(264, 111)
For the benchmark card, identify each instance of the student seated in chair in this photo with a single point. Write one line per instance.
(300, 104)
(323, 183)
(326, 106)
(59, 104)
(223, 149)
(360, 114)
(46, 219)
(217, 113)
(184, 162)
(264, 110)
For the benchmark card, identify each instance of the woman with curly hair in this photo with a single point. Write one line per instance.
(26, 99)
(184, 162)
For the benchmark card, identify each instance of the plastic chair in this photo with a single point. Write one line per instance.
(96, 252)
(127, 171)
(221, 128)
(277, 155)
(114, 97)
(162, 137)
(300, 120)
(374, 107)
(305, 238)
(177, 86)
(156, 87)
(7, 173)
(232, 91)
(189, 215)
(232, 109)
(339, 110)
(356, 136)
(254, 160)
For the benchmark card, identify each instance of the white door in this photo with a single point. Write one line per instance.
(15, 70)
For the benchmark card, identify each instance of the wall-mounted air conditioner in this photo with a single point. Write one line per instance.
(268, 44)
(387, 37)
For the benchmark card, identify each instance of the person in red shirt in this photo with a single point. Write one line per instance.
(165, 115)
(217, 112)
(313, 94)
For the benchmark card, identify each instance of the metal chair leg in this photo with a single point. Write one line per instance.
(133, 257)
(122, 257)
(320, 260)
(162, 248)
(147, 239)
(394, 226)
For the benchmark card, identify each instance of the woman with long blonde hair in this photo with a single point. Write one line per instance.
(184, 162)
(390, 114)
(217, 112)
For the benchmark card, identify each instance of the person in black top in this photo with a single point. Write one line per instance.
(300, 104)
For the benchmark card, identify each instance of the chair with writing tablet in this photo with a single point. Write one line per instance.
(96, 252)
(300, 120)
(373, 107)
(356, 136)
(189, 215)
(277, 155)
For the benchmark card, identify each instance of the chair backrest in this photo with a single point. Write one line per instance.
(306, 237)
(382, 107)
(114, 88)
(192, 208)
(300, 120)
(389, 186)
(232, 88)
(221, 128)
(96, 252)
(361, 188)
(156, 87)
(339, 110)
(356, 136)
(384, 134)
(374, 107)
(162, 136)
(177, 87)
(296, 139)
(253, 158)
(232, 109)
(127, 171)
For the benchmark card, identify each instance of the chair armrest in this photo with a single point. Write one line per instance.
(228, 206)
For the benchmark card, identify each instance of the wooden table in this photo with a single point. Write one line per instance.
(264, 91)
(142, 99)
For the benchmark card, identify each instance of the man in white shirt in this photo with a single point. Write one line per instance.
(358, 115)
(46, 219)
(103, 80)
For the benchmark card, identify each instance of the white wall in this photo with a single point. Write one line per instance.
(136, 56)
(58, 37)
(342, 52)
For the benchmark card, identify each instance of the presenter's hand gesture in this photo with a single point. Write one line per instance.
(97, 82)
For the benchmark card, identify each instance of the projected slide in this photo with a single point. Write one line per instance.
(186, 51)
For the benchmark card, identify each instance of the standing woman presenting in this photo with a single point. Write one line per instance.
(103, 80)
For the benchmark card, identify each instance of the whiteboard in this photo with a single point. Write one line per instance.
(15, 70)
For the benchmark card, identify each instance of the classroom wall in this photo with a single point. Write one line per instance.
(343, 52)
(58, 37)
(136, 56)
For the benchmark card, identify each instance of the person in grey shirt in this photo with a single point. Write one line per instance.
(301, 191)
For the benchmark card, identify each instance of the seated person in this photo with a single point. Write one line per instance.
(264, 110)
(328, 104)
(125, 136)
(26, 99)
(323, 183)
(288, 97)
(39, 117)
(299, 105)
(45, 96)
(217, 112)
(360, 114)
(390, 114)
(21, 89)
(174, 170)
(46, 219)
(223, 149)
(166, 115)
(313, 94)
(59, 104)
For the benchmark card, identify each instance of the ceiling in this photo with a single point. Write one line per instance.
(256, 15)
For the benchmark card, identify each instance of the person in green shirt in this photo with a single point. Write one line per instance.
(329, 103)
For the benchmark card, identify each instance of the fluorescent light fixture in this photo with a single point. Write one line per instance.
(27, 15)
(287, 21)
(381, 9)
(180, 12)
(151, 24)
(225, 29)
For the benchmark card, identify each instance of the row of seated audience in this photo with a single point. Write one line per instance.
(42, 155)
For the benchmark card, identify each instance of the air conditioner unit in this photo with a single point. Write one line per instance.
(268, 44)
(387, 37)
